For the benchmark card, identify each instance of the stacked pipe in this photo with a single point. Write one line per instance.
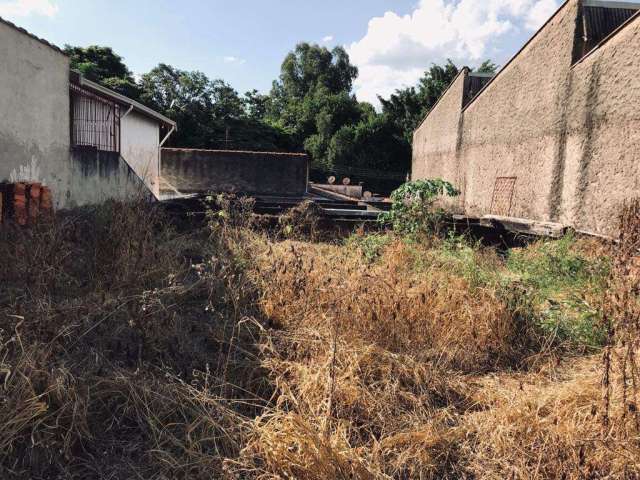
(25, 203)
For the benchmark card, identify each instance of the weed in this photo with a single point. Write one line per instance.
(371, 246)
(566, 285)
(413, 210)
(130, 350)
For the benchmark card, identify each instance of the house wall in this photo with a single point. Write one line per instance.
(99, 176)
(96, 176)
(516, 127)
(569, 134)
(34, 113)
(140, 148)
(35, 143)
(199, 171)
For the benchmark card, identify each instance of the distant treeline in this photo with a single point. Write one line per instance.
(311, 107)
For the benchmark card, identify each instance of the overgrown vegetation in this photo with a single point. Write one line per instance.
(132, 349)
(413, 211)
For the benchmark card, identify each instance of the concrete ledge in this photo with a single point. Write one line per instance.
(516, 225)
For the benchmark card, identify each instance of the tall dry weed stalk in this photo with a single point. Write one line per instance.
(621, 378)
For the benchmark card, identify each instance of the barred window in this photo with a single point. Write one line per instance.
(95, 121)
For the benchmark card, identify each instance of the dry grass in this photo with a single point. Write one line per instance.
(545, 426)
(433, 315)
(131, 350)
(124, 349)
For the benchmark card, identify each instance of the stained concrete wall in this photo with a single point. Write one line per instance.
(35, 131)
(254, 173)
(569, 134)
(436, 143)
(140, 148)
(34, 112)
(602, 161)
(99, 176)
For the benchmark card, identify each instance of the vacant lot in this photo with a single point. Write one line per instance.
(130, 348)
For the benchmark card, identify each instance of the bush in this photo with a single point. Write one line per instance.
(413, 211)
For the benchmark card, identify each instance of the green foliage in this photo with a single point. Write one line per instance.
(102, 65)
(412, 211)
(313, 100)
(371, 246)
(555, 265)
(564, 285)
(468, 259)
(210, 113)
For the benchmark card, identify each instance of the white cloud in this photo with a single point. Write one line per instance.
(396, 50)
(540, 13)
(327, 39)
(234, 60)
(25, 8)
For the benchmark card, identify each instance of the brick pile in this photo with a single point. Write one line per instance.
(25, 203)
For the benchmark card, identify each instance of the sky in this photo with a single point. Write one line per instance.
(244, 41)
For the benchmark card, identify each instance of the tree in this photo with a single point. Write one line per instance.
(313, 98)
(256, 105)
(184, 97)
(309, 76)
(406, 108)
(102, 65)
(209, 113)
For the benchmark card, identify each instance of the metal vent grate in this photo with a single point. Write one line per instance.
(503, 196)
(95, 121)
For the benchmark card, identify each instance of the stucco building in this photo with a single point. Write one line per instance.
(84, 142)
(555, 135)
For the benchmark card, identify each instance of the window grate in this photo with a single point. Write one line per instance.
(95, 121)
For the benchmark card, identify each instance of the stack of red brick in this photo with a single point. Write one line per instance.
(25, 203)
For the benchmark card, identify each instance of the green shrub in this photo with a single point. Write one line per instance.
(371, 246)
(413, 208)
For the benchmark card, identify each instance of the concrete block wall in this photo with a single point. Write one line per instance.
(567, 133)
(253, 173)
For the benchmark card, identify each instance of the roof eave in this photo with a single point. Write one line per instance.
(121, 99)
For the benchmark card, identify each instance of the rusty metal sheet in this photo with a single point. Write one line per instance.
(503, 196)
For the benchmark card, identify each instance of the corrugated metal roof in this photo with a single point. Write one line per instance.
(598, 20)
(611, 4)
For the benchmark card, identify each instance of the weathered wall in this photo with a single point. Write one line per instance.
(99, 176)
(603, 134)
(197, 171)
(34, 113)
(437, 142)
(140, 148)
(515, 128)
(569, 134)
